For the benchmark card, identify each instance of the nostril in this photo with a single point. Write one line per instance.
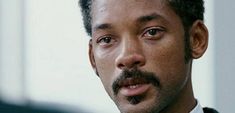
(136, 63)
(130, 61)
(121, 66)
(129, 64)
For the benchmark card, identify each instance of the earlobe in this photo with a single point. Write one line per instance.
(91, 57)
(198, 39)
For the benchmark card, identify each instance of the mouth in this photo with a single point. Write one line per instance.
(133, 87)
(134, 83)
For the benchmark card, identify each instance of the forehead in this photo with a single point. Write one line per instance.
(111, 11)
(106, 4)
(127, 6)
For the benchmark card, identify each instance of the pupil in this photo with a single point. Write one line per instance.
(152, 31)
(106, 40)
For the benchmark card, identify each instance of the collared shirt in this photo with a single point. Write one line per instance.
(197, 109)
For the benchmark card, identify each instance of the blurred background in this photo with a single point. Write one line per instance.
(44, 58)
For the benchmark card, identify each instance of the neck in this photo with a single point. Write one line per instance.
(184, 102)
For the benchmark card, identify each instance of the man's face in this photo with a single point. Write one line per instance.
(137, 49)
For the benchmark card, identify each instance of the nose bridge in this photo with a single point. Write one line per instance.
(131, 54)
(130, 46)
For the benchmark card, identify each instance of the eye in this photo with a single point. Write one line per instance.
(105, 41)
(153, 32)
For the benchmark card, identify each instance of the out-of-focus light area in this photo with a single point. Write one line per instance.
(44, 58)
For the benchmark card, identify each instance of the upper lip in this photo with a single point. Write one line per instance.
(132, 81)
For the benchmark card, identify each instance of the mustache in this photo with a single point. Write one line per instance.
(149, 77)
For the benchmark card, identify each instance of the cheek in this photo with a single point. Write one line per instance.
(168, 55)
(169, 63)
(106, 69)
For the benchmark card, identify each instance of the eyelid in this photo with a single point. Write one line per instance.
(101, 41)
(158, 28)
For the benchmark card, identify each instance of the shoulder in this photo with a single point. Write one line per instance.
(209, 110)
(12, 108)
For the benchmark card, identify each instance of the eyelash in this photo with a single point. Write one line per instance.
(158, 32)
(102, 40)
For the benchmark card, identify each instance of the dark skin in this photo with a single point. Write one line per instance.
(146, 36)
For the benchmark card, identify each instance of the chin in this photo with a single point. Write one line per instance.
(138, 109)
(145, 106)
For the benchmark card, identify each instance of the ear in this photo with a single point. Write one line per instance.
(91, 57)
(198, 39)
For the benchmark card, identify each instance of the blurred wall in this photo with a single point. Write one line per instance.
(12, 51)
(225, 55)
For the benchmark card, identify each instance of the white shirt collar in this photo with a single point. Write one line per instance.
(197, 108)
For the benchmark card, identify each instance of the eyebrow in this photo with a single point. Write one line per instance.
(102, 27)
(141, 19)
(147, 18)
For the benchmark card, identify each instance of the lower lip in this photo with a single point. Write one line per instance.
(134, 91)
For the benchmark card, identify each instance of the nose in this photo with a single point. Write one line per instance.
(131, 56)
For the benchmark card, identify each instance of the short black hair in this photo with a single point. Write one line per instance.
(188, 10)
(85, 6)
